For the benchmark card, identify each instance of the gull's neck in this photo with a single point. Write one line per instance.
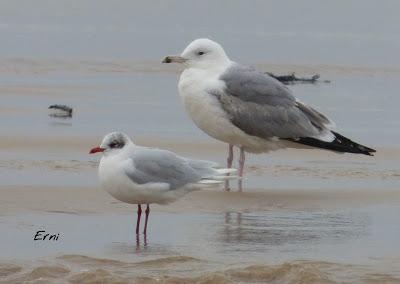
(209, 70)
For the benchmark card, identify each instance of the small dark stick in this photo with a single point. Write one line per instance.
(65, 111)
(292, 79)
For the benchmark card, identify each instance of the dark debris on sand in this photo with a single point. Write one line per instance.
(63, 111)
(293, 79)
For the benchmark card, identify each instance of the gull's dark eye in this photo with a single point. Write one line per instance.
(200, 53)
(114, 144)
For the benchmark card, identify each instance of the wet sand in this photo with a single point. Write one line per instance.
(341, 228)
(304, 217)
(207, 237)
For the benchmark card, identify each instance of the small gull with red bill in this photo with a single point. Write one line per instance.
(142, 175)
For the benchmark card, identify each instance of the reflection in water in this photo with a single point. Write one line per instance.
(233, 229)
(60, 123)
(139, 246)
(281, 232)
(291, 228)
(247, 247)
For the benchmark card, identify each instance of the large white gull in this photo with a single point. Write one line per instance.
(248, 109)
(141, 175)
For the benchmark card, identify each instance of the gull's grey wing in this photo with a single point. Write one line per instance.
(203, 167)
(201, 163)
(160, 166)
(262, 106)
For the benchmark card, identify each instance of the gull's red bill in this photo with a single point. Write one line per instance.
(96, 150)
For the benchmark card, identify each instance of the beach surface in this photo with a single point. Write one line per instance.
(305, 216)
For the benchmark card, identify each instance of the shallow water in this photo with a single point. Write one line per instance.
(350, 235)
(194, 245)
(305, 216)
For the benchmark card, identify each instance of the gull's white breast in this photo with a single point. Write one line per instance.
(113, 178)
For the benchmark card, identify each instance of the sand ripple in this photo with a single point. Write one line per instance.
(97, 276)
(87, 260)
(94, 270)
(9, 269)
(90, 261)
(48, 272)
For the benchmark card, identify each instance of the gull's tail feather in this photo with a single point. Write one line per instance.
(224, 174)
(210, 182)
(224, 177)
(218, 177)
(226, 171)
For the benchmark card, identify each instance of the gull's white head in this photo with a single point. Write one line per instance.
(113, 142)
(201, 53)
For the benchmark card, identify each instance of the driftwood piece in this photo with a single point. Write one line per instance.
(293, 79)
(61, 111)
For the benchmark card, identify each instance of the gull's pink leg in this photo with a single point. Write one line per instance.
(139, 214)
(147, 217)
(241, 167)
(229, 165)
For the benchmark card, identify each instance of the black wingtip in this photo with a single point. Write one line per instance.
(353, 145)
(370, 152)
(340, 144)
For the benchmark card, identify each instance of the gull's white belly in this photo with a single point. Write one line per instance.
(206, 114)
